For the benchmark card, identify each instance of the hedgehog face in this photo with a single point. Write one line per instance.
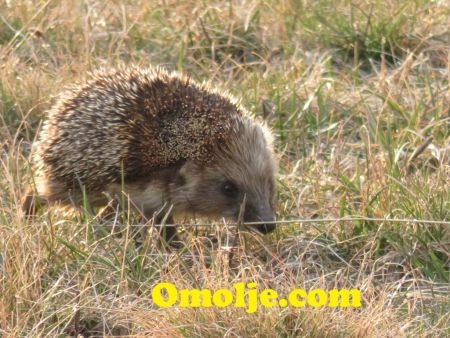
(241, 170)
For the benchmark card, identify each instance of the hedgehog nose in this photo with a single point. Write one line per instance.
(268, 227)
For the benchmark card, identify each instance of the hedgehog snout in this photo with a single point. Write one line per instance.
(261, 215)
(266, 227)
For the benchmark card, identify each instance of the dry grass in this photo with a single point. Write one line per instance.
(358, 95)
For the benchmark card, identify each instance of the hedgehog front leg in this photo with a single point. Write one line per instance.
(168, 233)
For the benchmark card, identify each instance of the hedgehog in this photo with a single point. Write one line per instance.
(174, 146)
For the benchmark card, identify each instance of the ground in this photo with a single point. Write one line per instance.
(357, 95)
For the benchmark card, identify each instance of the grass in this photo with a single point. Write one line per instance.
(357, 93)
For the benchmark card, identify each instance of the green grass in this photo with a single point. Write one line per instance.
(357, 95)
(360, 31)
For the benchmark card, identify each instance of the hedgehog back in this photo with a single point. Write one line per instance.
(131, 122)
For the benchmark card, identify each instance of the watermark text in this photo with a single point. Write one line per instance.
(248, 296)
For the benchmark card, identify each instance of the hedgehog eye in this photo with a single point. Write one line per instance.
(229, 189)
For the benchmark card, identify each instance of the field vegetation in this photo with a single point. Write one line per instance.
(357, 94)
